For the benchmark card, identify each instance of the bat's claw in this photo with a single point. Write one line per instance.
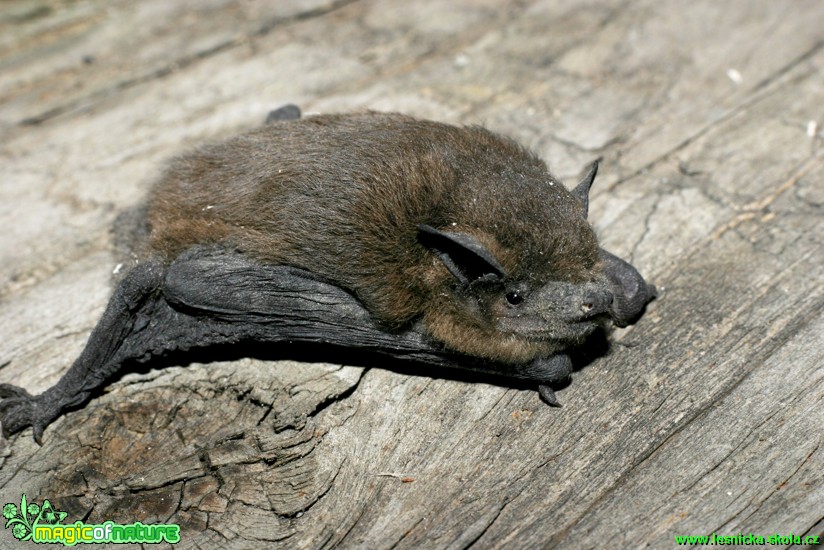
(19, 410)
(548, 396)
(551, 370)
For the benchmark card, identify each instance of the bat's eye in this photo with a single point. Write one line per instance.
(514, 297)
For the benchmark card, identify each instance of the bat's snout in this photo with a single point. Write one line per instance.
(594, 302)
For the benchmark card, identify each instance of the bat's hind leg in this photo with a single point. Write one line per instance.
(126, 314)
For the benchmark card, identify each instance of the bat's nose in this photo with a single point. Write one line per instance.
(594, 302)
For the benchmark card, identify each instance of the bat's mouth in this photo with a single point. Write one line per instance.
(538, 329)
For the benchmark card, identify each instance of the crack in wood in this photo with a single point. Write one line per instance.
(178, 64)
(758, 93)
(753, 209)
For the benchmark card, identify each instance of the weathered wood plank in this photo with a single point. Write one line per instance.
(705, 417)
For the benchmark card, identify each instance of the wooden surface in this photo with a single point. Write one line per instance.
(705, 417)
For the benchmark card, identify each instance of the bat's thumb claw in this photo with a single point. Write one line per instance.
(548, 396)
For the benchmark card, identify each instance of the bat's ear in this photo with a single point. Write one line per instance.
(463, 255)
(287, 112)
(581, 190)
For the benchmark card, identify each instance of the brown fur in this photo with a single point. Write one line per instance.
(342, 196)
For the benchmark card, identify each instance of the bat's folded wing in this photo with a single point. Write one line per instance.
(213, 296)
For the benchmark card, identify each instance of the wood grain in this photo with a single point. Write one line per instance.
(705, 417)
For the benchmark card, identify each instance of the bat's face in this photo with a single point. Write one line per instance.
(481, 309)
(554, 311)
(514, 295)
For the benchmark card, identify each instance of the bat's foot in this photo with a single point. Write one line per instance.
(19, 410)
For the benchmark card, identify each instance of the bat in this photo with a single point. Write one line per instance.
(417, 240)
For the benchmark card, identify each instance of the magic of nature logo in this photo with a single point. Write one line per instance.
(43, 523)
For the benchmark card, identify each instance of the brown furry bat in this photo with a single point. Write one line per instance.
(447, 245)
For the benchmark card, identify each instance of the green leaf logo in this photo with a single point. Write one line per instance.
(23, 520)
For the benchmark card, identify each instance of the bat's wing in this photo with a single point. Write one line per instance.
(130, 312)
(279, 304)
(208, 297)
